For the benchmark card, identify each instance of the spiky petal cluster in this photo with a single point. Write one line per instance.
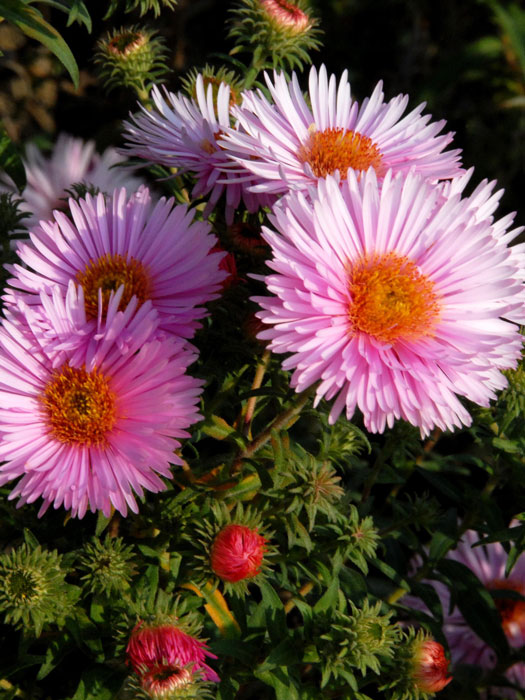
(182, 133)
(429, 666)
(165, 656)
(237, 553)
(154, 250)
(392, 299)
(71, 161)
(89, 430)
(288, 144)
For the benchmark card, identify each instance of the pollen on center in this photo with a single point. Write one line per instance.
(79, 406)
(338, 149)
(391, 299)
(108, 273)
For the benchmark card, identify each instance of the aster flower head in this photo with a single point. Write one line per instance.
(182, 133)
(167, 658)
(488, 562)
(392, 299)
(289, 145)
(155, 251)
(71, 161)
(237, 553)
(90, 430)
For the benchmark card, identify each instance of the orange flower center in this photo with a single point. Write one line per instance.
(79, 406)
(511, 610)
(108, 273)
(337, 149)
(391, 299)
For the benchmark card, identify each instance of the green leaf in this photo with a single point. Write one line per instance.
(30, 539)
(284, 654)
(238, 649)
(475, 603)
(329, 599)
(11, 161)
(99, 683)
(31, 22)
(440, 545)
(216, 427)
(75, 9)
(274, 612)
(279, 679)
(102, 523)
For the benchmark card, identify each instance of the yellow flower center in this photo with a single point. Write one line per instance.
(337, 149)
(79, 406)
(391, 299)
(108, 273)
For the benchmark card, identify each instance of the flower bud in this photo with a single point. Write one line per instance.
(131, 57)
(429, 666)
(237, 553)
(165, 658)
(286, 15)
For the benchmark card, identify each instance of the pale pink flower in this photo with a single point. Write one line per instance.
(166, 650)
(182, 133)
(289, 145)
(393, 299)
(71, 161)
(156, 251)
(488, 563)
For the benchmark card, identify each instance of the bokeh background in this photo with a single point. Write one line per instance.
(465, 58)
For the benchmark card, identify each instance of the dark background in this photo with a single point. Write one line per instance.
(455, 55)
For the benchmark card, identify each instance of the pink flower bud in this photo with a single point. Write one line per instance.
(237, 553)
(430, 667)
(286, 15)
(166, 657)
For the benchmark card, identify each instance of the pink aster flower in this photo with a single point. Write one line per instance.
(237, 553)
(392, 299)
(92, 431)
(182, 133)
(155, 250)
(288, 145)
(166, 657)
(488, 563)
(71, 161)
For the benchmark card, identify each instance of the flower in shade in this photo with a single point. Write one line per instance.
(429, 666)
(155, 251)
(167, 658)
(391, 298)
(71, 161)
(488, 563)
(182, 133)
(289, 145)
(237, 553)
(91, 430)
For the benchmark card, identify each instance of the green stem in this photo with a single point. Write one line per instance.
(282, 420)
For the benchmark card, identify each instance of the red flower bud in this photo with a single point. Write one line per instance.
(430, 667)
(287, 15)
(237, 553)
